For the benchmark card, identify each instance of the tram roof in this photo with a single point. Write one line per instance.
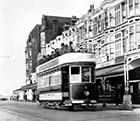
(66, 59)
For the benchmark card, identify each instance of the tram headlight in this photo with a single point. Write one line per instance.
(86, 93)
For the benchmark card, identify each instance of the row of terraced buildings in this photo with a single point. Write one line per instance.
(111, 32)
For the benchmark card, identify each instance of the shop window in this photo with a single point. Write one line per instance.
(108, 86)
(100, 88)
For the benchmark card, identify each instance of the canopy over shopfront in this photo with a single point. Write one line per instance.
(30, 86)
(111, 70)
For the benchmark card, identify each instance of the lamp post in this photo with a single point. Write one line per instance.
(126, 76)
(127, 97)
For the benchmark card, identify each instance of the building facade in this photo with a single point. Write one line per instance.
(31, 51)
(111, 33)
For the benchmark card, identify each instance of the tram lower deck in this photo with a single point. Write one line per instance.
(70, 83)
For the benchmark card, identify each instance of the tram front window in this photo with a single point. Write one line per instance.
(75, 70)
(85, 74)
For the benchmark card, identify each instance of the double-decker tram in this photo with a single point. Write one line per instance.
(67, 80)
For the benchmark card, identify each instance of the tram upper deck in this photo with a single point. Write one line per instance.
(67, 58)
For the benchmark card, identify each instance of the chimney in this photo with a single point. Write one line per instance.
(74, 20)
(91, 8)
(66, 27)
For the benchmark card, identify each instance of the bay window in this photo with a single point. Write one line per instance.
(118, 45)
(117, 14)
(131, 7)
(137, 7)
(138, 35)
(132, 41)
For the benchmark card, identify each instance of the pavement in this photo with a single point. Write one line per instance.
(136, 108)
(7, 116)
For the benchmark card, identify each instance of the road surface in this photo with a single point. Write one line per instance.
(27, 111)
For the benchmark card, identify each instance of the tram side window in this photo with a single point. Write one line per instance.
(85, 74)
(75, 70)
(39, 81)
(58, 79)
(49, 80)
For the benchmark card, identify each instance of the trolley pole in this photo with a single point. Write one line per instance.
(127, 97)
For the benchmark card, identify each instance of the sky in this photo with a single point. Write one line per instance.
(17, 19)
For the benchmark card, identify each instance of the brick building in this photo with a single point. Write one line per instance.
(31, 51)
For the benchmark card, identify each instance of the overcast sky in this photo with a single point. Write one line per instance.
(17, 19)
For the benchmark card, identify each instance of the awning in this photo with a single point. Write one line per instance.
(112, 70)
(30, 86)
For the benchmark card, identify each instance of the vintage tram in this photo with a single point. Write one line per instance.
(67, 80)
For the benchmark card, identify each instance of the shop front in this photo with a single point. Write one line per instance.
(111, 81)
(30, 92)
(134, 80)
(110, 84)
